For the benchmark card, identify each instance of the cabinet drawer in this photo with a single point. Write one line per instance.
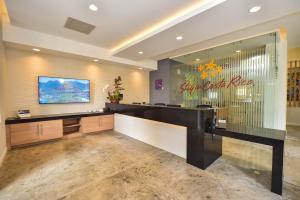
(24, 133)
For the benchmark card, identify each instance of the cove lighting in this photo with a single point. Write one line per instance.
(254, 9)
(35, 49)
(179, 38)
(93, 7)
(165, 23)
(140, 52)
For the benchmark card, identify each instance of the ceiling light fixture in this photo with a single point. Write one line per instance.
(93, 7)
(254, 9)
(179, 38)
(140, 52)
(96, 60)
(197, 59)
(35, 49)
(238, 51)
(140, 68)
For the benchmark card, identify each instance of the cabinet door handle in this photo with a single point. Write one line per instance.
(38, 129)
(42, 129)
(100, 121)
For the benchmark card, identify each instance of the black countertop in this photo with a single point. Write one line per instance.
(256, 131)
(122, 109)
(16, 120)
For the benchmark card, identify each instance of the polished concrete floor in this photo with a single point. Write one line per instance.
(113, 166)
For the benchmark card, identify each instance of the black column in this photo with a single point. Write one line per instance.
(277, 167)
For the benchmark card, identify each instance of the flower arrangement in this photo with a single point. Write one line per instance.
(115, 95)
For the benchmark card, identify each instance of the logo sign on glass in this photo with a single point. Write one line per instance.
(211, 70)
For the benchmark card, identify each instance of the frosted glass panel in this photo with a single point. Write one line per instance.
(240, 79)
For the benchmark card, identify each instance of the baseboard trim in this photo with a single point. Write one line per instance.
(3, 156)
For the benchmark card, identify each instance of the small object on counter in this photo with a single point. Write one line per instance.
(221, 123)
(24, 114)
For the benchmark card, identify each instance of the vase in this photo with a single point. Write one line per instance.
(115, 101)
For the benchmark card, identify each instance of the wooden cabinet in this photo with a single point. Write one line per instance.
(51, 130)
(23, 133)
(90, 124)
(27, 133)
(97, 123)
(106, 122)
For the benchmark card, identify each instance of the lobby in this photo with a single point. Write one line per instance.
(169, 99)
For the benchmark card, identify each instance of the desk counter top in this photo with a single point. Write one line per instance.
(255, 131)
(36, 118)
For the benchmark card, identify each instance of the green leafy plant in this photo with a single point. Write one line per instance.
(115, 95)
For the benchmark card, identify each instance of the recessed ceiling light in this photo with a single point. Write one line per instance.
(238, 51)
(35, 49)
(93, 7)
(140, 68)
(140, 52)
(197, 59)
(179, 38)
(96, 60)
(254, 9)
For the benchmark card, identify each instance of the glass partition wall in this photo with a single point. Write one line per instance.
(239, 79)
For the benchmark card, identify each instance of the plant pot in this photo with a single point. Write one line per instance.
(115, 101)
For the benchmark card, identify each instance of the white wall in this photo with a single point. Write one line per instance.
(2, 96)
(24, 67)
(171, 138)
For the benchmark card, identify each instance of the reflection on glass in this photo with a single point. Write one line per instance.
(240, 84)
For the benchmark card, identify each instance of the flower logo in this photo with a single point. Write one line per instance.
(210, 69)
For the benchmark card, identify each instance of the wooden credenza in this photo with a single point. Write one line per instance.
(27, 133)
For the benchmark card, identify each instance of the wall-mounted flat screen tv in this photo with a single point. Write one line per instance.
(53, 90)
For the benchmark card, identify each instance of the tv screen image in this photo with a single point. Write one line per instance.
(54, 90)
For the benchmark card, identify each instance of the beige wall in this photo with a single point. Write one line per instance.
(293, 113)
(294, 54)
(2, 97)
(24, 67)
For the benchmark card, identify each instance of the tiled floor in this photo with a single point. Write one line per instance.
(113, 166)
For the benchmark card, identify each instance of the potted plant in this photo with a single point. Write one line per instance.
(115, 95)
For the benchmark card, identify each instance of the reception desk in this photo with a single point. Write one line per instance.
(203, 140)
(202, 146)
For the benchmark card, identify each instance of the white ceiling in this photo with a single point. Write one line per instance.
(119, 20)
(115, 21)
(222, 19)
(290, 23)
